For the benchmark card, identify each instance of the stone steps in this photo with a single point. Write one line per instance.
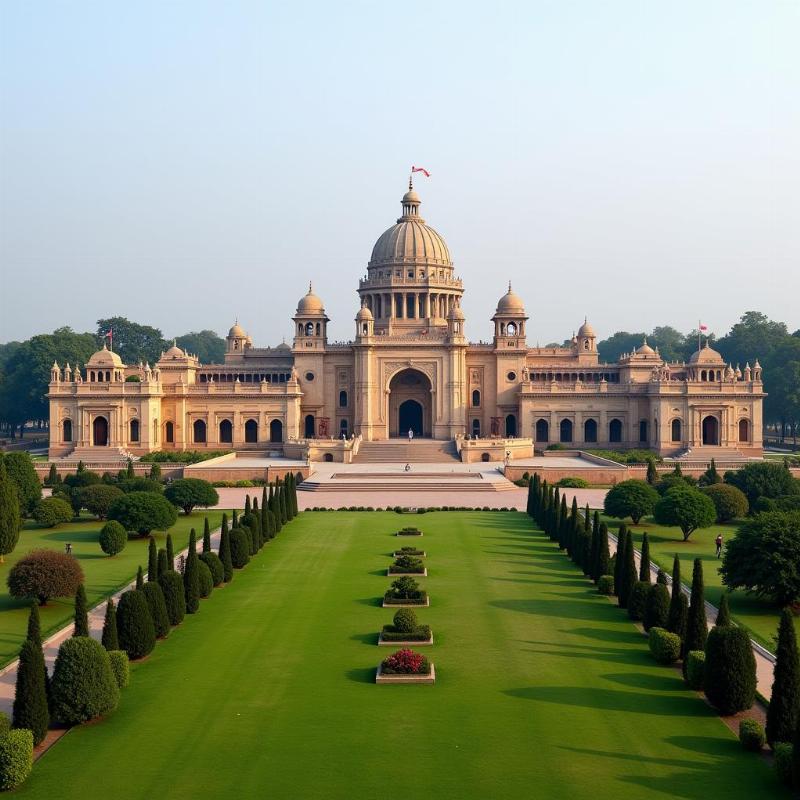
(402, 451)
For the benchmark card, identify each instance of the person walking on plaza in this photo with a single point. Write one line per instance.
(718, 542)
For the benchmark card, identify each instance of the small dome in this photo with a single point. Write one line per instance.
(410, 197)
(237, 331)
(456, 313)
(105, 358)
(706, 356)
(310, 303)
(510, 303)
(364, 314)
(283, 347)
(174, 351)
(644, 349)
(586, 331)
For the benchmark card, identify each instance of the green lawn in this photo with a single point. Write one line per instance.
(544, 688)
(104, 575)
(758, 615)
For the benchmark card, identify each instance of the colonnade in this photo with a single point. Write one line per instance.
(409, 305)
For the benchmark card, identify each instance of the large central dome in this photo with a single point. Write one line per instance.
(410, 241)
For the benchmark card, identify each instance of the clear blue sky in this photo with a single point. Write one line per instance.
(184, 163)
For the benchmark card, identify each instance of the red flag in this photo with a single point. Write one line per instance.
(703, 327)
(422, 170)
(109, 333)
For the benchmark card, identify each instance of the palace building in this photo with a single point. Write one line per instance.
(409, 366)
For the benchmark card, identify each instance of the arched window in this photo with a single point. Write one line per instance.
(511, 425)
(565, 430)
(276, 431)
(343, 427)
(199, 431)
(309, 426)
(744, 430)
(643, 430)
(66, 430)
(476, 428)
(343, 399)
(542, 430)
(309, 329)
(615, 430)
(169, 433)
(134, 430)
(251, 431)
(476, 398)
(328, 457)
(226, 431)
(676, 430)
(590, 430)
(511, 329)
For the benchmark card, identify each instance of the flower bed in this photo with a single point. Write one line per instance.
(405, 591)
(409, 532)
(405, 666)
(407, 565)
(396, 571)
(409, 551)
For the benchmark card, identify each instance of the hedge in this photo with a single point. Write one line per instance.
(52, 511)
(16, 758)
(420, 634)
(730, 672)
(782, 755)
(205, 580)
(605, 585)
(212, 561)
(665, 646)
(171, 584)
(120, 666)
(135, 628)
(240, 547)
(695, 669)
(751, 735)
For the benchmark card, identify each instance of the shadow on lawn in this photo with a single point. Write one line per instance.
(370, 601)
(365, 675)
(566, 609)
(365, 638)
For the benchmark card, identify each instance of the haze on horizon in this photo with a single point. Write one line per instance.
(186, 163)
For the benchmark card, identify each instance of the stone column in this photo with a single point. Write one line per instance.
(427, 305)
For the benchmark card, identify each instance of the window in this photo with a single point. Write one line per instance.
(676, 430)
(615, 430)
(251, 431)
(565, 430)
(643, 431)
(67, 430)
(134, 430)
(476, 428)
(343, 427)
(309, 426)
(309, 376)
(590, 430)
(476, 398)
(511, 377)
(309, 328)
(199, 430)
(511, 329)
(276, 431)
(511, 426)
(542, 430)
(169, 433)
(744, 430)
(226, 431)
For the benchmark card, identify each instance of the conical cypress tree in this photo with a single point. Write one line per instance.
(678, 617)
(696, 625)
(224, 526)
(724, 612)
(264, 511)
(619, 560)
(206, 537)
(225, 554)
(282, 498)
(34, 626)
(110, 637)
(563, 524)
(783, 712)
(191, 577)
(170, 553)
(274, 507)
(594, 554)
(529, 504)
(574, 526)
(675, 593)
(628, 572)
(81, 613)
(247, 506)
(152, 561)
(162, 562)
(235, 520)
(656, 611)
(586, 544)
(555, 524)
(295, 507)
(603, 557)
(644, 561)
(30, 697)
(139, 578)
(10, 518)
(652, 473)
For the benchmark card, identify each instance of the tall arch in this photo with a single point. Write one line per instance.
(744, 430)
(169, 432)
(511, 425)
(615, 430)
(309, 426)
(100, 432)
(476, 398)
(133, 433)
(476, 428)
(199, 431)
(643, 431)
(542, 430)
(410, 385)
(226, 432)
(590, 431)
(565, 431)
(251, 431)
(276, 431)
(677, 430)
(66, 430)
(710, 427)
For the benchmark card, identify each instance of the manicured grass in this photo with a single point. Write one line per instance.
(758, 615)
(544, 688)
(104, 575)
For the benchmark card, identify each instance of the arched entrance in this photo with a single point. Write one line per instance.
(276, 431)
(410, 404)
(251, 431)
(226, 431)
(710, 430)
(308, 428)
(511, 425)
(100, 432)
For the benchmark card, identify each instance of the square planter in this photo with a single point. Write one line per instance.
(395, 643)
(406, 604)
(426, 679)
(406, 533)
(393, 574)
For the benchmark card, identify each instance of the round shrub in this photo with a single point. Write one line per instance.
(605, 585)
(730, 671)
(113, 538)
(212, 561)
(142, 512)
(171, 584)
(633, 498)
(571, 482)
(751, 735)
(44, 574)
(695, 669)
(137, 634)
(99, 498)
(240, 547)
(730, 502)
(52, 511)
(782, 755)
(637, 601)
(120, 666)
(656, 610)
(665, 646)
(405, 620)
(154, 595)
(205, 581)
(687, 508)
(16, 758)
(186, 493)
(83, 686)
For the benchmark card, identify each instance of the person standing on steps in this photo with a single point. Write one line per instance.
(718, 543)
(410, 434)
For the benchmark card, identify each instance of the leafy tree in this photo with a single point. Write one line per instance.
(632, 498)
(689, 509)
(763, 479)
(43, 574)
(711, 476)
(763, 557)
(783, 711)
(621, 342)
(730, 670)
(143, 512)
(30, 708)
(137, 635)
(97, 499)
(206, 345)
(754, 336)
(110, 638)
(191, 578)
(186, 493)
(113, 538)
(139, 484)
(10, 518)
(81, 613)
(133, 342)
(21, 471)
(729, 502)
(52, 511)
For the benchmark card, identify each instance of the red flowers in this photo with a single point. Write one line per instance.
(406, 662)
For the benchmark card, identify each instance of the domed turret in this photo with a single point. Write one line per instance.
(104, 358)
(310, 304)
(644, 349)
(586, 330)
(237, 331)
(509, 319)
(236, 341)
(311, 322)
(175, 351)
(510, 303)
(706, 355)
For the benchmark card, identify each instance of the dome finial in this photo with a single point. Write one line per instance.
(509, 287)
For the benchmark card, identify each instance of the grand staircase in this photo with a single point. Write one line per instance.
(403, 451)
